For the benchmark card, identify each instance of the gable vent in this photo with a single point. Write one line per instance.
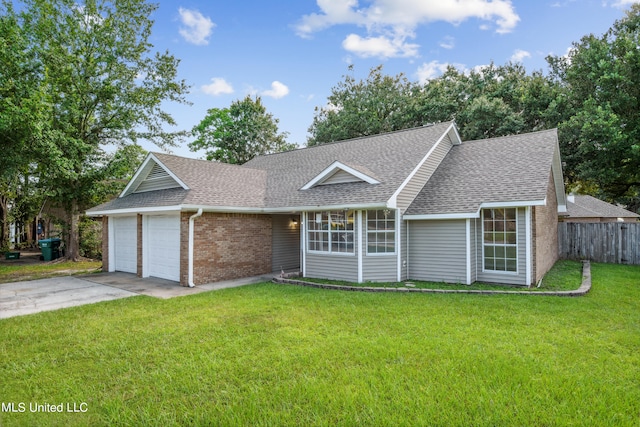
(158, 179)
(340, 177)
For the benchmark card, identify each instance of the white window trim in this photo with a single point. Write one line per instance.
(395, 236)
(517, 246)
(330, 252)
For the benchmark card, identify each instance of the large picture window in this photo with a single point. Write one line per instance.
(331, 231)
(500, 239)
(381, 231)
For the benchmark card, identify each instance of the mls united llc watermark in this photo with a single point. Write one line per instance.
(20, 407)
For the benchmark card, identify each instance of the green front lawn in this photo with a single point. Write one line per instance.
(271, 354)
(13, 273)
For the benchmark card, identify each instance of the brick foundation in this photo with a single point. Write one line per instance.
(226, 246)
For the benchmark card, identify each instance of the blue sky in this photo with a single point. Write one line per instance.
(292, 52)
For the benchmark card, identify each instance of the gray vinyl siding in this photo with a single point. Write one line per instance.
(334, 267)
(285, 248)
(418, 181)
(437, 251)
(380, 268)
(340, 177)
(519, 278)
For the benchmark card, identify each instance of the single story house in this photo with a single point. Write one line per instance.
(416, 204)
(584, 208)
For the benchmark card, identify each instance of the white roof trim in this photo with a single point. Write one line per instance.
(487, 205)
(137, 179)
(455, 139)
(114, 212)
(334, 167)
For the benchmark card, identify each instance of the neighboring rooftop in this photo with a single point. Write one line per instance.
(584, 206)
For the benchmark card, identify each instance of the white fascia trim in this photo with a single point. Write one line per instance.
(134, 181)
(330, 171)
(441, 216)
(235, 209)
(393, 201)
(519, 204)
(286, 209)
(562, 208)
(128, 211)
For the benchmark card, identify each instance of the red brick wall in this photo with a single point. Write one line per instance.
(105, 243)
(545, 233)
(226, 246)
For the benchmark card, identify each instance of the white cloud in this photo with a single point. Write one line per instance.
(433, 69)
(278, 90)
(448, 42)
(218, 86)
(380, 47)
(389, 23)
(197, 28)
(622, 3)
(519, 55)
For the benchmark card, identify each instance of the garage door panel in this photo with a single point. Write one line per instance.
(163, 241)
(125, 234)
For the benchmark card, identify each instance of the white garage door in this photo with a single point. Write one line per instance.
(125, 240)
(163, 246)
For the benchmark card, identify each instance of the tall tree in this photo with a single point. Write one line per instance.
(600, 80)
(357, 108)
(21, 113)
(104, 85)
(239, 133)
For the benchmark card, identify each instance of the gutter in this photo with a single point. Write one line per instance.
(191, 227)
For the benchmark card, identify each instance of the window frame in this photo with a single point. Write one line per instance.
(331, 235)
(500, 236)
(381, 231)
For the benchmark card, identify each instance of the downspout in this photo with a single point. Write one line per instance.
(191, 227)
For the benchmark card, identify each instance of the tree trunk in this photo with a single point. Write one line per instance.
(4, 227)
(73, 242)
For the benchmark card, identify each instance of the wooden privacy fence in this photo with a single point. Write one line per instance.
(613, 242)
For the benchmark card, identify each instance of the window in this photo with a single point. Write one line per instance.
(331, 231)
(381, 231)
(500, 239)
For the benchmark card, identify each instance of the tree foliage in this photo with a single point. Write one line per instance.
(488, 102)
(239, 133)
(600, 87)
(97, 83)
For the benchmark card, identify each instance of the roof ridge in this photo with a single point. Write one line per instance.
(428, 125)
(493, 138)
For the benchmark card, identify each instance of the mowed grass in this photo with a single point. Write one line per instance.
(18, 272)
(271, 354)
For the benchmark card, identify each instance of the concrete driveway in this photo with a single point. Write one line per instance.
(20, 298)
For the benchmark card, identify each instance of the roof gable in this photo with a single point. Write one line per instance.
(153, 175)
(339, 173)
(585, 206)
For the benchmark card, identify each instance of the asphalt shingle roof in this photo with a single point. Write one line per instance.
(507, 169)
(514, 168)
(585, 206)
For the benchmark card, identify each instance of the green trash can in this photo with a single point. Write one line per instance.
(50, 248)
